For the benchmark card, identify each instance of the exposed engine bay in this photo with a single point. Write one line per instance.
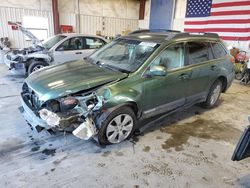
(22, 54)
(18, 59)
(76, 113)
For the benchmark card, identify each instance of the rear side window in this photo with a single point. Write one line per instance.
(219, 50)
(93, 43)
(199, 52)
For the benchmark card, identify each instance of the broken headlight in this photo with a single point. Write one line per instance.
(51, 118)
(68, 103)
(18, 59)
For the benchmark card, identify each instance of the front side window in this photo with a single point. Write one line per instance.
(124, 54)
(50, 42)
(171, 58)
(93, 43)
(199, 52)
(75, 43)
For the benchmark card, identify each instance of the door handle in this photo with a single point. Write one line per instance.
(213, 67)
(78, 53)
(183, 76)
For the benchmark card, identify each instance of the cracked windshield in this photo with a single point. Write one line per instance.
(124, 55)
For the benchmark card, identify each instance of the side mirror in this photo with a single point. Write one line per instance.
(60, 48)
(242, 149)
(157, 71)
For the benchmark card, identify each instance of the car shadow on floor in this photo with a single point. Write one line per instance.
(159, 121)
(177, 131)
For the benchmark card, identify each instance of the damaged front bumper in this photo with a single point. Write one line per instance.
(34, 121)
(15, 66)
(83, 130)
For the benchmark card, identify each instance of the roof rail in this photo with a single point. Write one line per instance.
(212, 35)
(153, 30)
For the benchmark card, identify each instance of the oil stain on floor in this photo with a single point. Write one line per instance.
(146, 149)
(49, 152)
(200, 128)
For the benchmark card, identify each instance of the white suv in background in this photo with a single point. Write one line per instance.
(55, 50)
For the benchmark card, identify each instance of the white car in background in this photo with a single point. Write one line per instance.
(55, 50)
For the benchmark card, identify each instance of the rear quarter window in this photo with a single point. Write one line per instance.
(219, 50)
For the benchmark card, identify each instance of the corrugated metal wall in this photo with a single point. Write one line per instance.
(67, 19)
(144, 24)
(107, 25)
(113, 26)
(16, 14)
(88, 24)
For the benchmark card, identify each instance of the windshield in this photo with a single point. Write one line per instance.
(50, 42)
(125, 55)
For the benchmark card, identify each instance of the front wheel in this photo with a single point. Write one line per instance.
(36, 65)
(213, 95)
(119, 126)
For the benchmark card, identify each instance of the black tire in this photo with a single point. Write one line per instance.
(213, 97)
(118, 112)
(35, 66)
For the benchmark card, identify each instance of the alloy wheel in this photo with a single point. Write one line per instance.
(215, 95)
(119, 128)
(37, 67)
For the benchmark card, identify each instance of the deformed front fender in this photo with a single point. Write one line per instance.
(115, 97)
(105, 113)
(45, 57)
(124, 98)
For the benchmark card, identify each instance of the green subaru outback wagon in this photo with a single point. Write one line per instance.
(134, 77)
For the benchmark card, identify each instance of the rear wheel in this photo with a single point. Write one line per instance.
(213, 95)
(36, 65)
(239, 76)
(119, 126)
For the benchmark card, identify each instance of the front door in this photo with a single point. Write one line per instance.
(69, 50)
(165, 93)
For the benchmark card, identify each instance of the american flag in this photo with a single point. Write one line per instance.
(229, 18)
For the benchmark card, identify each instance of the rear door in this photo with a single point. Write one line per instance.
(201, 61)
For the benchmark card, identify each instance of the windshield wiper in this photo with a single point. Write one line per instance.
(110, 67)
(107, 66)
(115, 68)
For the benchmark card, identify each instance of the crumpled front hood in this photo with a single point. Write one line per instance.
(68, 78)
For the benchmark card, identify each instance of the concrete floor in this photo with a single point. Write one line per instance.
(188, 149)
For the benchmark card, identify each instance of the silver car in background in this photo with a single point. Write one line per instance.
(55, 50)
